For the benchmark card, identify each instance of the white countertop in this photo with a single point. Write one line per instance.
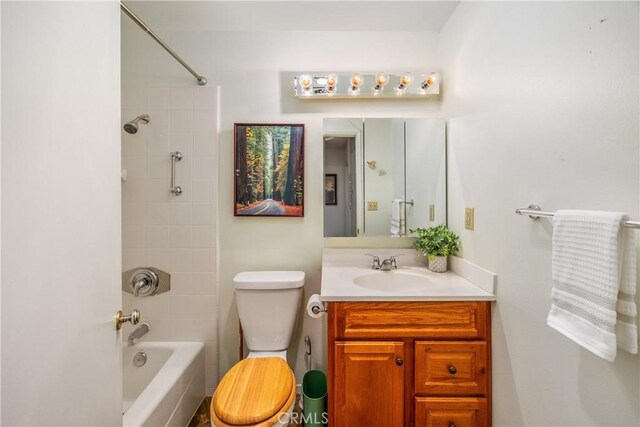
(340, 267)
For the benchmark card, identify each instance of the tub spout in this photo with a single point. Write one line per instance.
(137, 333)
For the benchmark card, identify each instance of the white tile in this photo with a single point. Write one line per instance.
(204, 167)
(157, 236)
(204, 190)
(192, 306)
(180, 214)
(204, 260)
(204, 237)
(210, 352)
(151, 308)
(170, 260)
(160, 329)
(204, 98)
(182, 142)
(134, 98)
(134, 213)
(181, 260)
(204, 121)
(134, 190)
(204, 214)
(157, 213)
(159, 167)
(181, 121)
(158, 144)
(184, 168)
(134, 145)
(182, 283)
(158, 98)
(136, 167)
(133, 258)
(180, 236)
(210, 376)
(133, 236)
(204, 144)
(158, 122)
(182, 98)
(203, 284)
(158, 190)
(194, 329)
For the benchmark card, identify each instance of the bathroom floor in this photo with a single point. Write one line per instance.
(201, 417)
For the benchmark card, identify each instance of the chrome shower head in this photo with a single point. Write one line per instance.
(132, 126)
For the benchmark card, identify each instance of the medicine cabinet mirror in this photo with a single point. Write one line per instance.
(383, 176)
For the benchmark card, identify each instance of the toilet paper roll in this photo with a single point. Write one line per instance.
(315, 307)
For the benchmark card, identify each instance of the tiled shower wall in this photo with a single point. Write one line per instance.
(174, 233)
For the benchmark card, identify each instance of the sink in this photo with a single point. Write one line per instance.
(413, 280)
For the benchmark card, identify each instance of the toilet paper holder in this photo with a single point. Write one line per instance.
(317, 310)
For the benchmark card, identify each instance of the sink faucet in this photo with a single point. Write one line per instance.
(386, 265)
(137, 333)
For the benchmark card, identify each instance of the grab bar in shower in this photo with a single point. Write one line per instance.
(176, 156)
(535, 212)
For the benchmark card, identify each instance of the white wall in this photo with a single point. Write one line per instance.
(61, 355)
(335, 216)
(379, 146)
(174, 233)
(543, 107)
(248, 67)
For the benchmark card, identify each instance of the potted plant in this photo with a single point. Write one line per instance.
(436, 243)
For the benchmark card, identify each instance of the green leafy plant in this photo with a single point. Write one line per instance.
(436, 241)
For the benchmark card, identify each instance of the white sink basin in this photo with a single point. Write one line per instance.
(396, 280)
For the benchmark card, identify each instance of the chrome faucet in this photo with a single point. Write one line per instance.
(137, 333)
(386, 265)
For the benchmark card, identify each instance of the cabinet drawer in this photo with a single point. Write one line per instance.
(451, 412)
(450, 368)
(433, 320)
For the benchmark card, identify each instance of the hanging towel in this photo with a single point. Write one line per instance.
(397, 218)
(587, 255)
(626, 327)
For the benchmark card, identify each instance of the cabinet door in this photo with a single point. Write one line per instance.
(369, 384)
(451, 412)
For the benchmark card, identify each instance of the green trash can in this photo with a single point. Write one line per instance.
(314, 398)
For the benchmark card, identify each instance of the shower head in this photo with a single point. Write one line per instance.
(132, 126)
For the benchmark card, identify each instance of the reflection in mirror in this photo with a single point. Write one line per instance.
(383, 176)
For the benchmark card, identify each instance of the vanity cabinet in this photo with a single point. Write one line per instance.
(409, 364)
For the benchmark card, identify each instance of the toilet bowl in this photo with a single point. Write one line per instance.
(260, 391)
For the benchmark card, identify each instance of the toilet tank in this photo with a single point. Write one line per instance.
(268, 305)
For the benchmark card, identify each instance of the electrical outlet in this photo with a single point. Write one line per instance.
(468, 218)
(372, 206)
(432, 212)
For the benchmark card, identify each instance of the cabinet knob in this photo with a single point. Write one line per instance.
(452, 371)
(399, 362)
(452, 425)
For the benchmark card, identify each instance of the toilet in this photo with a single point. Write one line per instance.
(261, 389)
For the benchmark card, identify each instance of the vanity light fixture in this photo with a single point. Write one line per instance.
(318, 85)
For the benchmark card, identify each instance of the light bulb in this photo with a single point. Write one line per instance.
(381, 80)
(332, 81)
(356, 81)
(405, 79)
(306, 82)
(428, 81)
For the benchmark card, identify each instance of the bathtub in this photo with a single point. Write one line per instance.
(167, 389)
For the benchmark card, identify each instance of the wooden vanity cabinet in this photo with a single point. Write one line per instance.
(397, 364)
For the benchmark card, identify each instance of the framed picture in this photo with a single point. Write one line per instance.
(269, 170)
(330, 189)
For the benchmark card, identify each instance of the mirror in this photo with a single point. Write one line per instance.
(383, 176)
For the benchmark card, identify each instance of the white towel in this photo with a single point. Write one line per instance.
(588, 250)
(397, 218)
(626, 327)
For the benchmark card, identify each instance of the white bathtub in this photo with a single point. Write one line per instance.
(167, 389)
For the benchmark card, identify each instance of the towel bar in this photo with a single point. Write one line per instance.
(535, 212)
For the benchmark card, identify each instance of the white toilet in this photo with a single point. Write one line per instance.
(260, 390)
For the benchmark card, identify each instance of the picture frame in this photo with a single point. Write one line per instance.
(269, 170)
(330, 189)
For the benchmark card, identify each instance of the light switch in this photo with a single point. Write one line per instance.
(372, 206)
(468, 218)
(432, 212)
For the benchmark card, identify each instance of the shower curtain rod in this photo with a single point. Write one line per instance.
(201, 79)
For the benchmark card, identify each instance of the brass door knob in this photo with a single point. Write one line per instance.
(133, 318)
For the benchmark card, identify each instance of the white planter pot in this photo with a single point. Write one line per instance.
(438, 264)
